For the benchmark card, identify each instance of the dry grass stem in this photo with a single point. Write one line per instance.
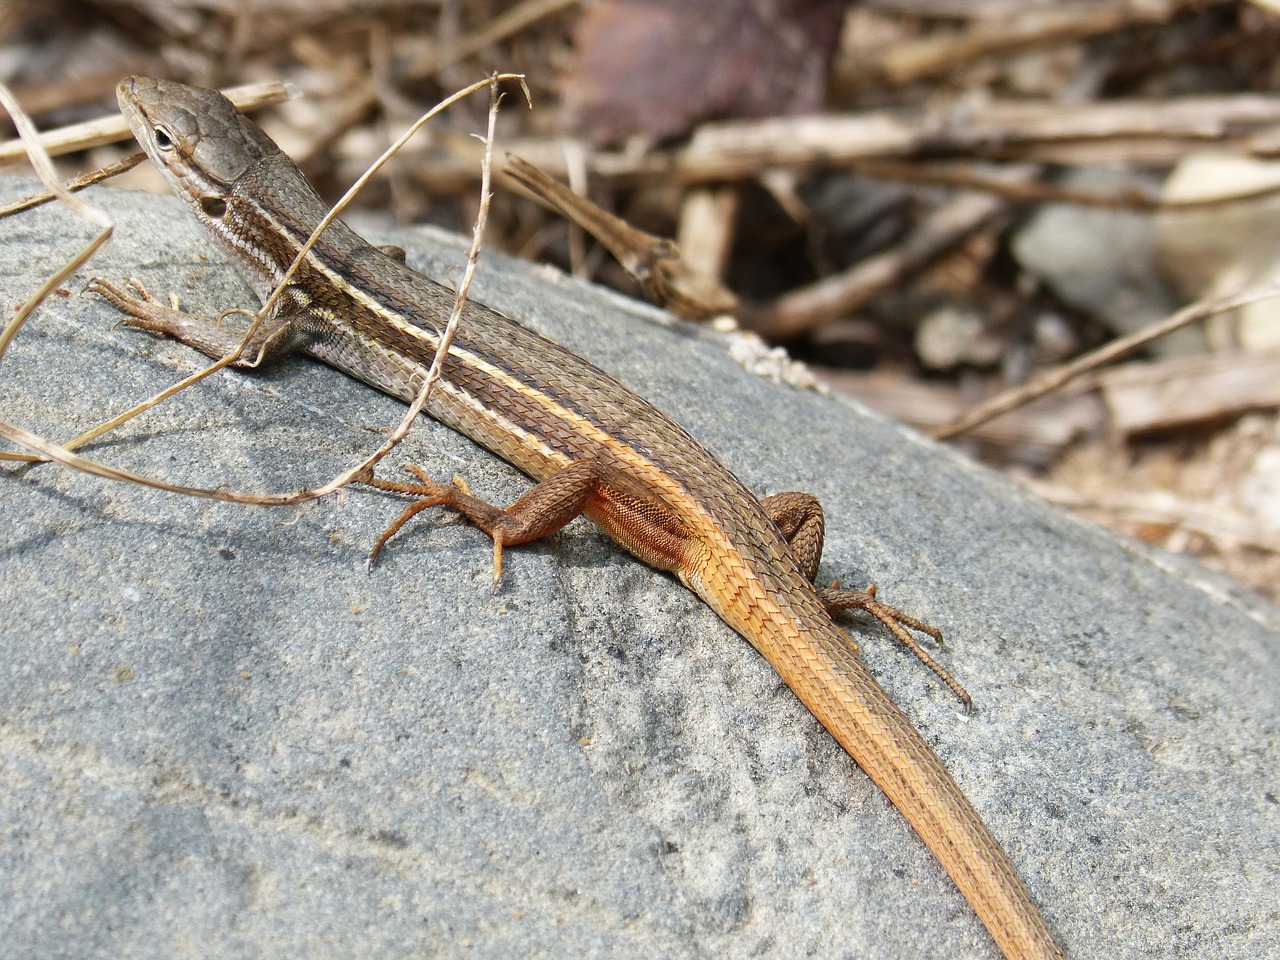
(30, 139)
(1053, 379)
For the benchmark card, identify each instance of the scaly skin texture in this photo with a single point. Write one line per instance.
(594, 446)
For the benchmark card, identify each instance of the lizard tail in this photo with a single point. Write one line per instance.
(830, 679)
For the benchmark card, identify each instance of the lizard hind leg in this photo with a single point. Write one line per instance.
(799, 518)
(836, 599)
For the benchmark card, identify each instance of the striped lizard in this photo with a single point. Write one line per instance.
(592, 445)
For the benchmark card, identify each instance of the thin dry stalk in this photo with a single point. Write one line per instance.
(1152, 131)
(73, 185)
(851, 290)
(943, 53)
(972, 177)
(1053, 379)
(30, 139)
(460, 299)
(655, 262)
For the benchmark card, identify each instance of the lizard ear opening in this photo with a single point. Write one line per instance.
(213, 206)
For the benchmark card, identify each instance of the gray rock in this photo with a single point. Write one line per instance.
(222, 737)
(1105, 262)
(1220, 249)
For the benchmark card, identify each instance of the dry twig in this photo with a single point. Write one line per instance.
(852, 290)
(655, 262)
(1053, 379)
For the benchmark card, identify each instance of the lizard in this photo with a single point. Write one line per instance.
(591, 445)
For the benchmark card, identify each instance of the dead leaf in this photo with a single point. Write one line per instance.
(654, 68)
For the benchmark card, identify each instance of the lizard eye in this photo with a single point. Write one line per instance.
(213, 206)
(162, 139)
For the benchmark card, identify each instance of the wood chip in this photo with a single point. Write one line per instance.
(1048, 425)
(1157, 397)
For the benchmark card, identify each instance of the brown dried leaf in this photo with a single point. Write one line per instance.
(656, 67)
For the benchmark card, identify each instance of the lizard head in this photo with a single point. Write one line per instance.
(197, 138)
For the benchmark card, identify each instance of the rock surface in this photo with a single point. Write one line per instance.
(221, 737)
(1105, 262)
(1220, 249)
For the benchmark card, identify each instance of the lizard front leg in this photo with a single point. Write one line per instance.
(628, 511)
(277, 334)
(539, 512)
